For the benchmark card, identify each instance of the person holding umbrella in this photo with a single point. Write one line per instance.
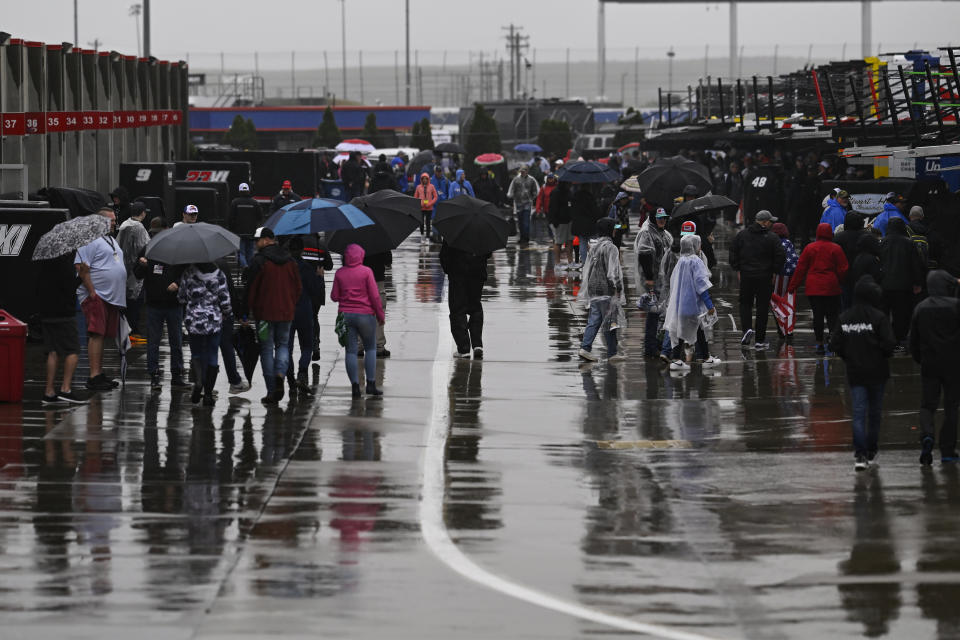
(427, 194)
(467, 273)
(584, 214)
(58, 317)
(355, 289)
(203, 291)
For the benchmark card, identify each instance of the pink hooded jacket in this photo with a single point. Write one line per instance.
(354, 287)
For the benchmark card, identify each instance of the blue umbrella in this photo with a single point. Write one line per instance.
(315, 215)
(528, 146)
(587, 171)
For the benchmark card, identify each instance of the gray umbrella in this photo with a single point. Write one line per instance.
(70, 235)
(192, 243)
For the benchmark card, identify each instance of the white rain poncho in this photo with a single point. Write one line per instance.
(689, 280)
(602, 279)
(653, 241)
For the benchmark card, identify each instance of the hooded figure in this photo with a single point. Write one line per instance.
(689, 301)
(935, 344)
(890, 212)
(203, 289)
(355, 288)
(848, 238)
(821, 269)
(867, 261)
(601, 291)
(835, 214)
(903, 273)
(460, 186)
(864, 339)
(427, 194)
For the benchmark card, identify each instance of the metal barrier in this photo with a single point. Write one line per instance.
(72, 115)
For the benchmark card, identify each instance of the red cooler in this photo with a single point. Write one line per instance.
(13, 344)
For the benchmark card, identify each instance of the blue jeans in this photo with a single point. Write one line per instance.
(228, 353)
(523, 222)
(598, 309)
(274, 351)
(867, 405)
(248, 246)
(304, 333)
(204, 348)
(364, 326)
(156, 318)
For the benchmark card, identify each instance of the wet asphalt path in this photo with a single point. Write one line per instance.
(522, 496)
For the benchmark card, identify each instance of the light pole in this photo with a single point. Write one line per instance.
(343, 43)
(407, 9)
(134, 11)
(670, 55)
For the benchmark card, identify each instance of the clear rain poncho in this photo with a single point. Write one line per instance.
(602, 279)
(689, 280)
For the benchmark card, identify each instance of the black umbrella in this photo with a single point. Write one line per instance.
(665, 179)
(717, 205)
(420, 161)
(394, 216)
(246, 345)
(471, 225)
(448, 147)
(587, 171)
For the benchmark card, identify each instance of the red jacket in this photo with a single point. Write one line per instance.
(822, 265)
(542, 204)
(274, 285)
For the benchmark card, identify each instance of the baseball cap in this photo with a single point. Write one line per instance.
(263, 232)
(842, 194)
(688, 228)
(286, 185)
(765, 215)
(689, 190)
(191, 209)
(894, 197)
(662, 213)
(243, 187)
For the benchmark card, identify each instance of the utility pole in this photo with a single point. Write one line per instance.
(670, 55)
(516, 44)
(76, 30)
(566, 81)
(343, 43)
(360, 56)
(134, 11)
(407, 3)
(601, 49)
(636, 76)
(396, 75)
(146, 28)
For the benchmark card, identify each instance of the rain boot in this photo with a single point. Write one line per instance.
(198, 376)
(372, 389)
(208, 382)
(355, 390)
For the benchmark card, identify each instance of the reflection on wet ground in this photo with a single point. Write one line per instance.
(720, 503)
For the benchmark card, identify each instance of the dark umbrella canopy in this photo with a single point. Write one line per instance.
(448, 147)
(471, 225)
(314, 215)
(718, 205)
(70, 235)
(394, 216)
(420, 161)
(665, 179)
(192, 243)
(587, 171)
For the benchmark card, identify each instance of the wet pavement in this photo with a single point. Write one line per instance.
(522, 496)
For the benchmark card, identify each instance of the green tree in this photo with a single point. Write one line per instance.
(482, 135)
(422, 135)
(328, 133)
(555, 136)
(242, 133)
(370, 132)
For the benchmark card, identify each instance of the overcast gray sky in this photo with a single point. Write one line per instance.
(238, 27)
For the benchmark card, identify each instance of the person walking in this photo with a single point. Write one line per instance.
(317, 255)
(355, 289)
(903, 274)
(894, 206)
(354, 176)
(584, 214)
(467, 273)
(619, 212)
(243, 219)
(864, 339)
(133, 238)
(58, 319)
(523, 192)
(541, 206)
(601, 291)
(303, 317)
(227, 350)
(161, 283)
(273, 288)
(849, 239)
(103, 295)
(460, 186)
(427, 194)
(787, 303)
(821, 269)
(285, 197)
(935, 345)
(757, 255)
(558, 215)
(690, 310)
(651, 244)
(440, 182)
(378, 263)
(867, 261)
(836, 211)
(203, 291)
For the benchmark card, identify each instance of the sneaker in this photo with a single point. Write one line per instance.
(54, 399)
(72, 397)
(926, 453)
(617, 357)
(240, 387)
(155, 383)
(761, 346)
(478, 353)
(860, 464)
(679, 365)
(712, 361)
(383, 353)
(586, 355)
(747, 337)
(665, 359)
(99, 383)
(872, 457)
(458, 354)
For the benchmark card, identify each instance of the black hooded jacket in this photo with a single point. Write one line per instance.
(935, 328)
(863, 336)
(867, 261)
(757, 253)
(902, 266)
(849, 238)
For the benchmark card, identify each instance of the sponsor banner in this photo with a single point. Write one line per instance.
(868, 203)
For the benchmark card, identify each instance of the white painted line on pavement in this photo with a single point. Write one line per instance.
(438, 539)
(733, 322)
